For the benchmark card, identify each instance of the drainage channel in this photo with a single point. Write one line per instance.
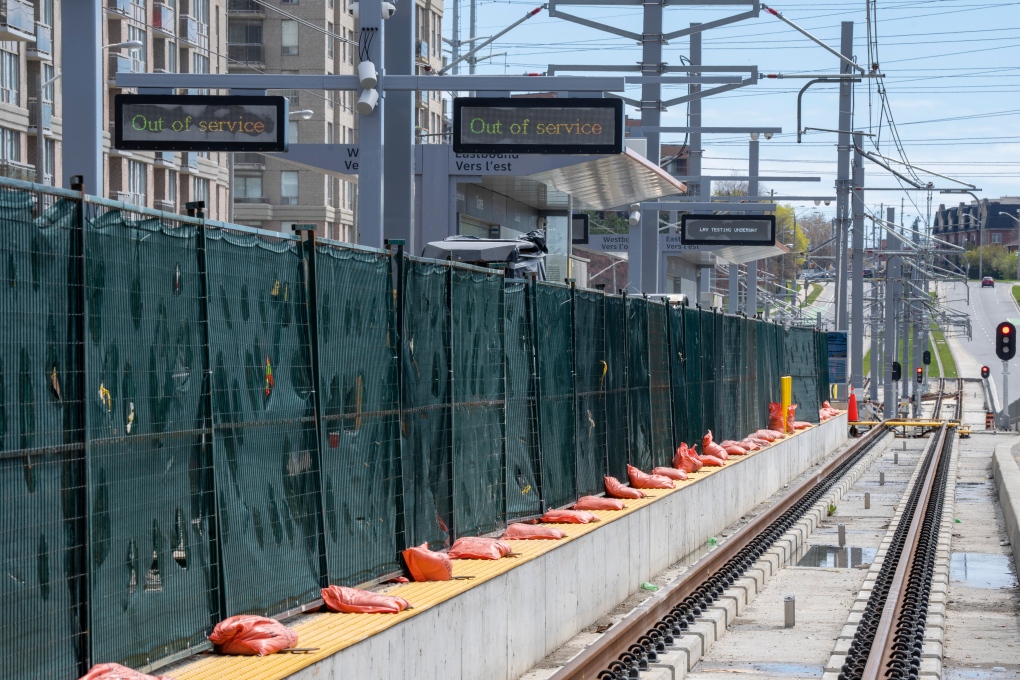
(754, 553)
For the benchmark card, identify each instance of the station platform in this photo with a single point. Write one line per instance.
(516, 610)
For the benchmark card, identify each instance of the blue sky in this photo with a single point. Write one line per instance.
(953, 80)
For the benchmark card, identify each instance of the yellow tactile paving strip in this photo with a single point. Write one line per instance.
(330, 633)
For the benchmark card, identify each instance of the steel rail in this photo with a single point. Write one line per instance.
(625, 633)
(882, 647)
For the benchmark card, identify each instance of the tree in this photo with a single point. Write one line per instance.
(818, 230)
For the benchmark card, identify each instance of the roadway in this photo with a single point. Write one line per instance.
(988, 307)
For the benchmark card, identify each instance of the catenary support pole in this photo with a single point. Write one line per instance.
(732, 300)
(751, 281)
(398, 182)
(370, 131)
(82, 83)
(694, 114)
(876, 357)
(857, 270)
(889, 354)
(846, 47)
(651, 106)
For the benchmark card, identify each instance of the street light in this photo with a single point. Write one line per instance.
(981, 240)
(129, 44)
(303, 114)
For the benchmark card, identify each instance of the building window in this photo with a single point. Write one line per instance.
(200, 191)
(329, 190)
(200, 10)
(137, 55)
(49, 161)
(996, 238)
(136, 181)
(288, 188)
(47, 75)
(10, 145)
(171, 187)
(351, 45)
(289, 37)
(46, 12)
(10, 71)
(248, 189)
(329, 39)
(292, 132)
(329, 133)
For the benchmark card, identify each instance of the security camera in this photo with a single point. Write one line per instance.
(388, 10)
(768, 135)
(635, 218)
(367, 76)
(367, 102)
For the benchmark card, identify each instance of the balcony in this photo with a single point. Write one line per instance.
(165, 158)
(422, 52)
(17, 20)
(34, 113)
(163, 20)
(244, 7)
(189, 162)
(251, 200)
(17, 170)
(165, 206)
(249, 161)
(42, 50)
(249, 54)
(130, 198)
(118, 8)
(193, 32)
(122, 63)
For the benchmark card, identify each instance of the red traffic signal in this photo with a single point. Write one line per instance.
(1005, 344)
(920, 374)
(984, 371)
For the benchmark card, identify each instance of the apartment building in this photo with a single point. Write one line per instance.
(271, 193)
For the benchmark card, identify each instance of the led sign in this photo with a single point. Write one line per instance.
(543, 126)
(728, 230)
(144, 122)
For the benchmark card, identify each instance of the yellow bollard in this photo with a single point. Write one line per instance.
(786, 390)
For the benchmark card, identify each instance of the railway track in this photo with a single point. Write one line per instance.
(888, 641)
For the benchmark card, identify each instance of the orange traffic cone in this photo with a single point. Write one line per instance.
(852, 416)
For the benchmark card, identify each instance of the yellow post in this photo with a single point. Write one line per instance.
(786, 389)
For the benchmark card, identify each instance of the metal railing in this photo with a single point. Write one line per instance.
(164, 19)
(18, 15)
(244, 7)
(17, 170)
(246, 53)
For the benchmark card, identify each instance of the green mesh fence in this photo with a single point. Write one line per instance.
(265, 447)
(426, 413)
(822, 357)
(638, 394)
(660, 398)
(479, 467)
(590, 373)
(359, 401)
(150, 472)
(554, 350)
(198, 421)
(617, 418)
(42, 455)
(523, 494)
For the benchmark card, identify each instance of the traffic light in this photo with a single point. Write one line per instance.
(926, 358)
(984, 371)
(897, 372)
(920, 375)
(1005, 341)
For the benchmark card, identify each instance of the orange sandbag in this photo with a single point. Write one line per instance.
(643, 480)
(801, 425)
(826, 404)
(427, 565)
(766, 435)
(478, 548)
(712, 461)
(750, 445)
(790, 418)
(597, 503)
(568, 517)
(735, 450)
(617, 490)
(521, 532)
(728, 442)
(355, 601)
(775, 434)
(114, 671)
(248, 635)
(710, 448)
(687, 459)
(776, 417)
(673, 473)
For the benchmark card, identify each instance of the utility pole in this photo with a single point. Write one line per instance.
(876, 357)
(892, 284)
(471, 37)
(455, 42)
(751, 304)
(846, 48)
(857, 274)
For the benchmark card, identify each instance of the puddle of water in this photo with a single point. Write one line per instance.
(981, 570)
(836, 557)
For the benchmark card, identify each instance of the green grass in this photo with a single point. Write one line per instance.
(942, 347)
(816, 290)
(1016, 294)
(866, 364)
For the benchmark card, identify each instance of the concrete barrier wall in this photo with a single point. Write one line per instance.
(1006, 473)
(503, 627)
